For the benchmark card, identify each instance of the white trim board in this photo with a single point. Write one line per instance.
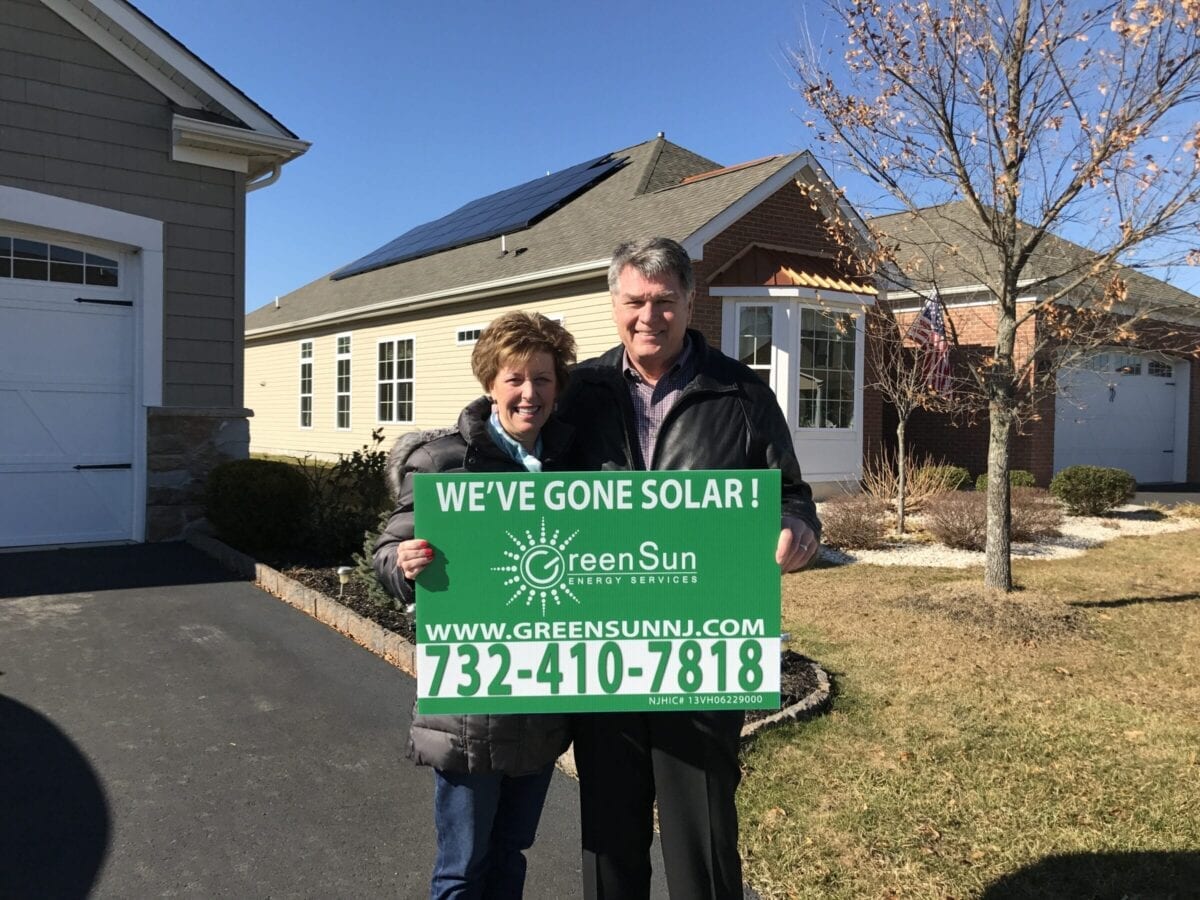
(160, 45)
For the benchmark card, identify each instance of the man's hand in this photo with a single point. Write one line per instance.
(797, 545)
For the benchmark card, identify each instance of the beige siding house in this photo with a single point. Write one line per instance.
(385, 342)
(124, 168)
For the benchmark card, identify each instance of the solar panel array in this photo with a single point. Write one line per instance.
(501, 213)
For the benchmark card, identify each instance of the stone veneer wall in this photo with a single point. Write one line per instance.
(183, 446)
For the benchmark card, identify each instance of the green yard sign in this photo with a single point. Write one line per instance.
(598, 591)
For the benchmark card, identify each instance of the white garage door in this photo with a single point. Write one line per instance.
(66, 396)
(1118, 410)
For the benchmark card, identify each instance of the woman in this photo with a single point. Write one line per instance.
(491, 773)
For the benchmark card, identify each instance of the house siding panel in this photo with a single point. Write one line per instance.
(79, 125)
(444, 383)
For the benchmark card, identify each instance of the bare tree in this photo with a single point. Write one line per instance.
(998, 129)
(899, 371)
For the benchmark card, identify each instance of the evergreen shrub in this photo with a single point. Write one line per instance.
(346, 500)
(1016, 478)
(954, 477)
(1092, 490)
(257, 504)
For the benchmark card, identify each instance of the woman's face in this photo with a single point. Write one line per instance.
(524, 394)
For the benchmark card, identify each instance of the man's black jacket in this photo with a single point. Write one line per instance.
(725, 418)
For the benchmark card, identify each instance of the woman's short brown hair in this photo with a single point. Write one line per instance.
(516, 337)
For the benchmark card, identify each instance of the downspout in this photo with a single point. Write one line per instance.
(276, 170)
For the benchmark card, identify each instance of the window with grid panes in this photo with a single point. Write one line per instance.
(395, 380)
(342, 378)
(826, 371)
(41, 261)
(755, 339)
(306, 384)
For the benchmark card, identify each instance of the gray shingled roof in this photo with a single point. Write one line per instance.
(942, 247)
(642, 199)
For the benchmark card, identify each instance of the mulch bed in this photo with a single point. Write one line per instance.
(354, 595)
(798, 679)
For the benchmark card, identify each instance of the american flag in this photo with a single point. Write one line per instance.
(929, 331)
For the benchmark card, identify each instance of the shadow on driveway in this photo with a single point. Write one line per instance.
(92, 569)
(56, 825)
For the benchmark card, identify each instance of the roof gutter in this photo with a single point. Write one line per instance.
(499, 287)
(227, 147)
(276, 171)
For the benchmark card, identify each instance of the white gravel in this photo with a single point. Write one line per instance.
(1078, 535)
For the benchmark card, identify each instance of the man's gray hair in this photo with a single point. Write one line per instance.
(656, 256)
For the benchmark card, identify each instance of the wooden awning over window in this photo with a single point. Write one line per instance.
(766, 267)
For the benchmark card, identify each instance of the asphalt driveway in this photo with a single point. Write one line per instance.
(166, 730)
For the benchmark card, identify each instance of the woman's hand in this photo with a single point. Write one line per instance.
(412, 556)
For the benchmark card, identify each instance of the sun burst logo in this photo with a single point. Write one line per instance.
(538, 569)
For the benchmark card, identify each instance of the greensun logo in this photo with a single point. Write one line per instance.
(543, 573)
(538, 569)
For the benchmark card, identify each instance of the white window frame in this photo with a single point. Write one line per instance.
(395, 382)
(772, 367)
(467, 342)
(785, 355)
(340, 357)
(88, 261)
(857, 371)
(305, 362)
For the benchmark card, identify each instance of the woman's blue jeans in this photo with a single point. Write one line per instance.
(484, 823)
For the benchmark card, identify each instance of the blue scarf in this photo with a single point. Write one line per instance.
(531, 461)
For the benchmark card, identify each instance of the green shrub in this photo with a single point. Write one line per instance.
(257, 504)
(954, 477)
(347, 498)
(854, 521)
(364, 568)
(1016, 478)
(1092, 490)
(960, 519)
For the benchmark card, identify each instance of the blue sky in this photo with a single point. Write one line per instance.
(415, 108)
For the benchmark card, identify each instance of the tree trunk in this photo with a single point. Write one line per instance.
(997, 572)
(997, 568)
(902, 479)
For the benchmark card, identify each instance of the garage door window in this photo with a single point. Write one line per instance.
(40, 261)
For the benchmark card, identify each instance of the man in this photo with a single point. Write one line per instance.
(664, 399)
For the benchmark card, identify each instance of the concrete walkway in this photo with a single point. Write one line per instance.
(165, 731)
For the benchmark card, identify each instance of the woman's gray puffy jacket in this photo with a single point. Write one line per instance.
(502, 744)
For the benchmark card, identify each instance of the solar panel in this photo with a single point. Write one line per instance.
(501, 213)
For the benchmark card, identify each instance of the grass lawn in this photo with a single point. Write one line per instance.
(975, 735)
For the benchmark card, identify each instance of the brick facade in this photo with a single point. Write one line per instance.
(966, 444)
(785, 219)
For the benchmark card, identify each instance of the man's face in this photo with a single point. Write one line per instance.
(651, 314)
